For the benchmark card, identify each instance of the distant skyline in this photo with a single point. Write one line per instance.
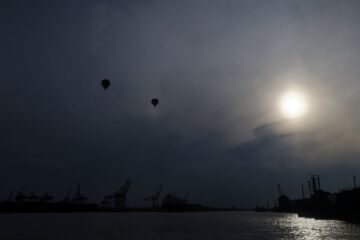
(218, 69)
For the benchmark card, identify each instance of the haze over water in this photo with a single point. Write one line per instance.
(172, 226)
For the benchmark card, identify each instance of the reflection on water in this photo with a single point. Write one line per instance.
(173, 226)
(292, 227)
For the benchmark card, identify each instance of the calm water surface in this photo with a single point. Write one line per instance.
(164, 226)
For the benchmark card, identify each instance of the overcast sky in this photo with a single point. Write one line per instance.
(218, 69)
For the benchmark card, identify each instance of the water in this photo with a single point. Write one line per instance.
(171, 226)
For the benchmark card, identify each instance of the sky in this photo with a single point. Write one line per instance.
(218, 69)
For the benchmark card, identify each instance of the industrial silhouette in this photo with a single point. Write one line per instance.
(319, 204)
(115, 202)
(118, 199)
(344, 205)
(155, 198)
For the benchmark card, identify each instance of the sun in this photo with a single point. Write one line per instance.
(293, 105)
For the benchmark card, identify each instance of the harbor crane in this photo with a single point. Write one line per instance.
(155, 198)
(120, 196)
(78, 197)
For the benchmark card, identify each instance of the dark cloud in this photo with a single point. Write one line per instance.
(266, 136)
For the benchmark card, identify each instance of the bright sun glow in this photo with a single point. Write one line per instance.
(293, 105)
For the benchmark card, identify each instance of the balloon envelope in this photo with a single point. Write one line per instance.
(155, 101)
(105, 83)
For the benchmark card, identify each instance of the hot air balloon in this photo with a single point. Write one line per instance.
(154, 102)
(105, 83)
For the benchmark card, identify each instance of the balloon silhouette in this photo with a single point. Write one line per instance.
(105, 83)
(154, 102)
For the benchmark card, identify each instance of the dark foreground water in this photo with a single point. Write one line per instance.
(171, 226)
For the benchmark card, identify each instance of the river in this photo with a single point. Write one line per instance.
(171, 226)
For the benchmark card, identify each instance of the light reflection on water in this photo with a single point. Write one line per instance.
(292, 227)
(172, 226)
